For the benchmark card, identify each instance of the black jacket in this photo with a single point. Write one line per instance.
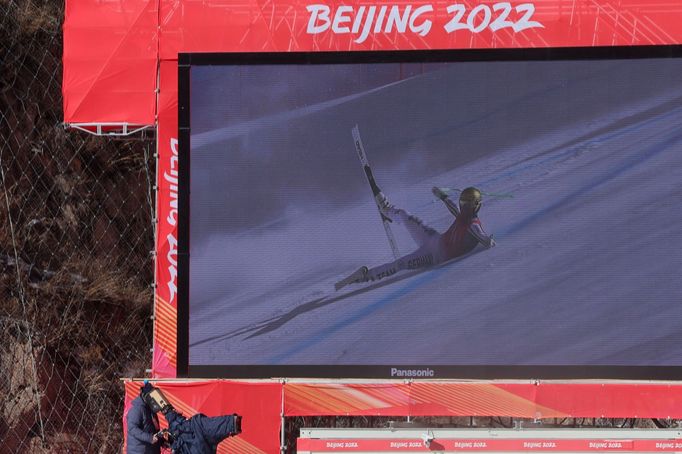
(199, 434)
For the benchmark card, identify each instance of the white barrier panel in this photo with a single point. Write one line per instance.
(416, 440)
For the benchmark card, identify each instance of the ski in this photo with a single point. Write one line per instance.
(360, 149)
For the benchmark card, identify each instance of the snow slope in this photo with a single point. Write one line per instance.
(586, 270)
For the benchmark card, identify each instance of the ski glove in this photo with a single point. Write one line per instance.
(439, 193)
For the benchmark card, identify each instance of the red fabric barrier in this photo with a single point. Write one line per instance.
(612, 400)
(386, 399)
(523, 400)
(110, 59)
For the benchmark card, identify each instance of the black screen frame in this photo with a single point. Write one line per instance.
(187, 60)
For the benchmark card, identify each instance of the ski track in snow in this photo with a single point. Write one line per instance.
(586, 270)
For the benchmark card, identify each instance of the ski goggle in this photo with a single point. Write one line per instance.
(474, 203)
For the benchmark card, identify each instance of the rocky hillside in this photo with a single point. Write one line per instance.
(75, 263)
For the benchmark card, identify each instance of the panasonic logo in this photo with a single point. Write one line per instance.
(395, 372)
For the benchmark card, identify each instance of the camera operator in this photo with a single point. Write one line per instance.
(143, 427)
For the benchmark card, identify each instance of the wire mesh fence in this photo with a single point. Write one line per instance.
(75, 264)
(76, 233)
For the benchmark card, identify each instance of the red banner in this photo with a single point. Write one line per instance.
(258, 403)
(256, 26)
(165, 322)
(612, 400)
(522, 400)
(388, 399)
(112, 50)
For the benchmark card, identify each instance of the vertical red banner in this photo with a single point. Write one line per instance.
(165, 324)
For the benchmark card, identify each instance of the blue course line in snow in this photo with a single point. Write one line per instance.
(430, 276)
(649, 153)
(597, 140)
(520, 168)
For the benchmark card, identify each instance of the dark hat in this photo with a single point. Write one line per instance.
(147, 388)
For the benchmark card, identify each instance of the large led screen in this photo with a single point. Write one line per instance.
(330, 229)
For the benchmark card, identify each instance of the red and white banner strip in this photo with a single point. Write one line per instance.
(486, 445)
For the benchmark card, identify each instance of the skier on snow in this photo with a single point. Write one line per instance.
(461, 238)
